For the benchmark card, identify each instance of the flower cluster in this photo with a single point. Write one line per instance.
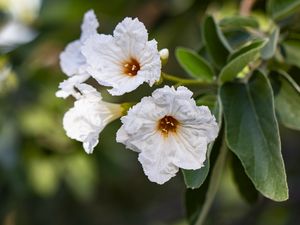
(167, 129)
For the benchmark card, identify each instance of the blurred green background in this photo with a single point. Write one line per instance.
(46, 178)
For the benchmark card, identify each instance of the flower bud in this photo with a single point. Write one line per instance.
(164, 56)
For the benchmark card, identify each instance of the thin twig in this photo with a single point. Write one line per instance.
(246, 7)
(214, 184)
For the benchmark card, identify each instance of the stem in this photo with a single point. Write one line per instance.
(246, 6)
(182, 81)
(214, 183)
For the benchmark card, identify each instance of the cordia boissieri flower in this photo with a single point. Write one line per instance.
(89, 116)
(72, 62)
(125, 60)
(169, 131)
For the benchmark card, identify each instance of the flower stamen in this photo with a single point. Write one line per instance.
(167, 124)
(131, 67)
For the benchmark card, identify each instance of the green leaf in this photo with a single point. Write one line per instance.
(236, 22)
(240, 59)
(287, 99)
(246, 48)
(194, 64)
(238, 37)
(217, 47)
(292, 50)
(268, 51)
(282, 8)
(252, 134)
(243, 183)
(195, 178)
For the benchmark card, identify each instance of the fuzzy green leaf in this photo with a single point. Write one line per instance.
(268, 51)
(240, 59)
(236, 22)
(282, 8)
(194, 64)
(287, 99)
(292, 50)
(242, 181)
(216, 45)
(252, 134)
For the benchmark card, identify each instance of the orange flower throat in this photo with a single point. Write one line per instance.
(131, 67)
(167, 124)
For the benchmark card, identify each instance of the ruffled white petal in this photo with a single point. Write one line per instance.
(89, 25)
(88, 91)
(72, 62)
(153, 149)
(71, 59)
(67, 87)
(100, 52)
(106, 56)
(160, 155)
(191, 149)
(131, 33)
(81, 127)
(150, 63)
(157, 161)
(89, 116)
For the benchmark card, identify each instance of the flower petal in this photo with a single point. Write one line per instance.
(129, 84)
(71, 58)
(82, 126)
(89, 25)
(131, 33)
(158, 162)
(100, 51)
(67, 86)
(204, 122)
(191, 149)
(87, 91)
(150, 62)
(72, 61)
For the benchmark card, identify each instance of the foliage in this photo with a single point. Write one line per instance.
(251, 130)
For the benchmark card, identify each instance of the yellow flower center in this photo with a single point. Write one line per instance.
(131, 67)
(167, 124)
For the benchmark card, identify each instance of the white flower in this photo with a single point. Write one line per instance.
(72, 62)
(125, 60)
(89, 116)
(169, 132)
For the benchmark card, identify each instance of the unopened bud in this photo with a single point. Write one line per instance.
(164, 56)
